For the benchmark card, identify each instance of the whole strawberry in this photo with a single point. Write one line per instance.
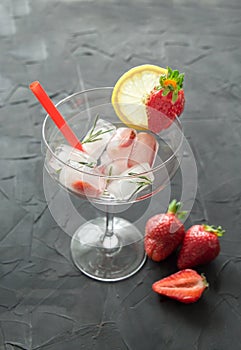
(164, 232)
(166, 101)
(200, 246)
(185, 286)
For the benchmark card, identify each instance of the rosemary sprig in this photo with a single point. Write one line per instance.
(95, 136)
(146, 182)
(109, 174)
(110, 170)
(90, 165)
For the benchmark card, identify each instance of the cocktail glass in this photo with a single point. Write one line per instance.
(107, 248)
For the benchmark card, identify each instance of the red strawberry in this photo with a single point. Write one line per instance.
(186, 286)
(164, 232)
(200, 245)
(166, 101)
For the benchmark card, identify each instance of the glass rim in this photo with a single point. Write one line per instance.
(108, 177)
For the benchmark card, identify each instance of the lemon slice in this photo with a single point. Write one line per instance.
(130, 93)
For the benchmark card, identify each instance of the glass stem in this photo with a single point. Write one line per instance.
(109, 223)
(110, 240)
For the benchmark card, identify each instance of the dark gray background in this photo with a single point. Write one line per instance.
(45, 302)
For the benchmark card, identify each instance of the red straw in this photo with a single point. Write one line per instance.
(50, 108)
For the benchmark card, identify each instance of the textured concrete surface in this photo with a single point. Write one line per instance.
(45, 302)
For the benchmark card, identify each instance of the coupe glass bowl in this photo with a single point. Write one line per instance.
(107, 248)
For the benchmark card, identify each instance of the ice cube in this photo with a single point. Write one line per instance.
(112, 167)
(144, 150)
(124, 189)
(70, 155)
(105, 159)
(121, 143)
(98, 137)
(86, 181)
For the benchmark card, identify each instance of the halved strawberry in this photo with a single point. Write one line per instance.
(166, 101)
(185, 286)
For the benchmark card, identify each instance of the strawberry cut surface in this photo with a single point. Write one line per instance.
(185, 286)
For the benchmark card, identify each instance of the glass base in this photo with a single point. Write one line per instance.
(108, 258)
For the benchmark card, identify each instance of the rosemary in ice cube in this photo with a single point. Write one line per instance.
(144, 181)
(95, 136)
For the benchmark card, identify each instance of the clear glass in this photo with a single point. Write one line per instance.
(107, 248)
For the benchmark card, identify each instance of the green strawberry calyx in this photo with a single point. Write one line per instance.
(174, 208)
(217, 230)
(172, 82)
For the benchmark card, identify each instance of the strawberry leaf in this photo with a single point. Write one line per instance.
(174, 207)
(175, 74)
(174, 96)
(173, 80)
(165, 92)
(169, 72)
(217, 230)
(180, 80)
